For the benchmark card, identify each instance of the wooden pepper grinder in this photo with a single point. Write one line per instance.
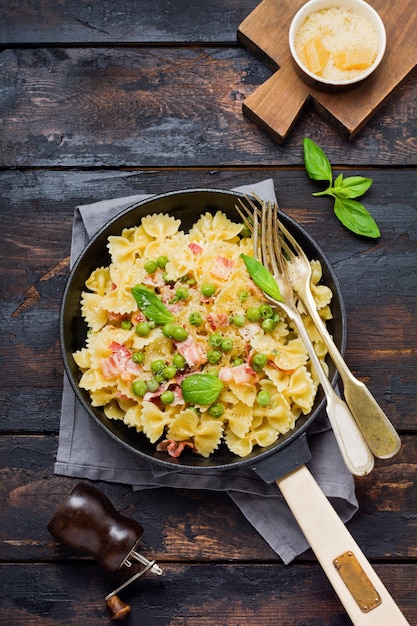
(88, 522)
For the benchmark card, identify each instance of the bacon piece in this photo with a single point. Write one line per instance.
(192, 352)
(117, 317)
(119, 363)
(195, 248)
(174, 448)
(240, 375)
(153, 396)
(154, 280)
(138, 317)
(222, 268)
(218, 320)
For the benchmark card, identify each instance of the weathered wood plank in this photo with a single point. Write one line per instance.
(127, 22)
(184, 525)
(180, 107)
(379, 295)
(219, 595)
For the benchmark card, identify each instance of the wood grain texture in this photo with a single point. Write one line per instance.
(168, 107)
(278, 103)
(183, 525)
(121, 22)
(105, 99)
(221, 595)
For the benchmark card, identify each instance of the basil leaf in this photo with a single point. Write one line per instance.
(151, 305)
(201, 389)
(316, 162)
(262, 277)
(356, 217)
(353, 187)
(338, 182)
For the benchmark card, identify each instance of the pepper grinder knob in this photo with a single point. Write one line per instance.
(88, 522)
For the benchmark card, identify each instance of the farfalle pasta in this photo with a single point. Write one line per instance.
(182, 345)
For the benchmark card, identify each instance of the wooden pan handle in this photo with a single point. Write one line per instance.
(366, 600)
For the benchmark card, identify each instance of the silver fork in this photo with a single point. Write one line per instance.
(355, 452)
(375, 426)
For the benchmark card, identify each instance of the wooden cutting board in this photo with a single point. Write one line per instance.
(277, 104)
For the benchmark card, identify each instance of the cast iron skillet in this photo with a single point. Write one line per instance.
(186, 205)
(362, 593)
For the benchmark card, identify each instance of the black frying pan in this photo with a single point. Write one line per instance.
(283, 461)
(186, 205)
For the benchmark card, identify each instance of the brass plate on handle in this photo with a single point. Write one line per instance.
(356, 580)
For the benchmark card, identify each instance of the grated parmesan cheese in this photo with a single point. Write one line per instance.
(346, 42)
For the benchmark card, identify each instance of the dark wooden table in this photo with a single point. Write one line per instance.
(105, 99)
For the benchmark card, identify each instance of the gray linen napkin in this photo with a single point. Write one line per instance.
(86, 451)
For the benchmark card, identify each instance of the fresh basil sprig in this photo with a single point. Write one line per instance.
(201, 389)
(151, 305)
(262, 277)
(350, 212)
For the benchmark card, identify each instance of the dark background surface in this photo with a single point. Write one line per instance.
(107, 99)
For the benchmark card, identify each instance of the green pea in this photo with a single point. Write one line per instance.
(182, 293)
(263, 398)
(243, 295)
(179, 333)
(265, 311)
(238, 361)
(143, 329)
(161, 261)
(139, 387)
(226, 344)
(259, 361)
(268, 325)
(160, 377)
(213, 356)
(157, 365)
(168, 329)
(152, 385)
(253, 314)
(213, 372)
(150, 266)
(215, 340)
(195, 318)
(178, 361)
(169, 371)
(216, 410)
(239, 320)
(126, 324)
(208, 289)
(167, 397)
(138, 357)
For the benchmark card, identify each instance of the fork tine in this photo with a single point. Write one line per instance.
(289, 252)
(245, 214)
(294, 243)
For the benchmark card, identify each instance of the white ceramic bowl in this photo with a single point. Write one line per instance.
(360, 7)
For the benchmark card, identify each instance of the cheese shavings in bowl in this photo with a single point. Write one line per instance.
(336, 43)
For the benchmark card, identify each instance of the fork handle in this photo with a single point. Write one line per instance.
(355, 452)
(375, 426)
(379, 433)
(333, 546)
